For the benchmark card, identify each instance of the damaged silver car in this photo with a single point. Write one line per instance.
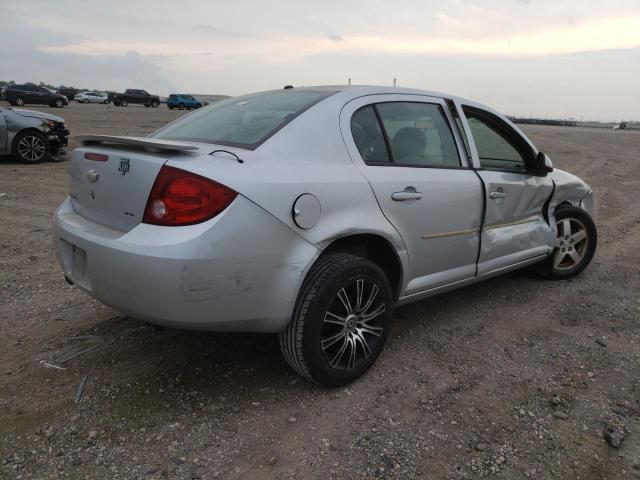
(31, 136)
(312, 212)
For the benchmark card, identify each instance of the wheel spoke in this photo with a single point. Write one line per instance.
(344, 298)
(359, 292)
(328, 342)
(371, 330)
(370, 316)
(352, 354)
(578, 236)
(359, 337)
(575, 256)
(558, 257)
(371, 299)
(338, 356)
(335, 319)
(566, 227)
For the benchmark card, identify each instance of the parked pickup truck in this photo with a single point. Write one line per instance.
(136, 96)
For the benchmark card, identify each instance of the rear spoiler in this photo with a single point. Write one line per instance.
(153, 144)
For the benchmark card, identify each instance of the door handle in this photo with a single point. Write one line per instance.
(495, 195)
(406, 195)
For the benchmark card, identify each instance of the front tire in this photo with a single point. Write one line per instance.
(154, 104)
(85, 101)
(30, 147)
(58, 104)
(124, 103)
(576, 242)
(19, 102)
(341, 320)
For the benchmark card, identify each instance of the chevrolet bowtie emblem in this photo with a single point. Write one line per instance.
(93, 176)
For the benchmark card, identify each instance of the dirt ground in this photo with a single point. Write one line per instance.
(512, 378)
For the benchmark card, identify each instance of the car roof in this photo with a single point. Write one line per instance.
(347, 93)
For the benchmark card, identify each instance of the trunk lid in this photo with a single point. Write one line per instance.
(115, 192)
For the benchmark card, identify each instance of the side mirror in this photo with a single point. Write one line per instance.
(542, 164)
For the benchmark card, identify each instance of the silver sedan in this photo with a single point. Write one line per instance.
(312, 212)
(91, 97)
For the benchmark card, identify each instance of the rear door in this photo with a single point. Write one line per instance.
(515, 229)
(405, 147)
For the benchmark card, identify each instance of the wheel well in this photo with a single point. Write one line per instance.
(374, 248)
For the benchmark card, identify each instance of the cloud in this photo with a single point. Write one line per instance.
(29, 54)
(336, 37)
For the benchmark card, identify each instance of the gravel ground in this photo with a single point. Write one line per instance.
(512, 378)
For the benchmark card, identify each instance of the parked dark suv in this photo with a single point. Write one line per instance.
(19, 95)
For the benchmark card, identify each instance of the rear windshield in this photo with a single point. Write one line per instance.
(243, 122)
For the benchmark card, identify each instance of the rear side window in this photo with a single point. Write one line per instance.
(243, 122)
(368, 136)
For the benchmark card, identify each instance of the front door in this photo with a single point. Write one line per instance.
(515, 229)
(406, 148)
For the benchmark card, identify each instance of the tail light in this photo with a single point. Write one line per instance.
(183, 198)
(98, 157)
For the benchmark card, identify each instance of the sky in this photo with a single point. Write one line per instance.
(543, 58)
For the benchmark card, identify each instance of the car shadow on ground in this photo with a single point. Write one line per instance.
(162, 363)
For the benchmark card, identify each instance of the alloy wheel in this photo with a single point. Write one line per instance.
(32, 148)
(352, 325)
(572, 244)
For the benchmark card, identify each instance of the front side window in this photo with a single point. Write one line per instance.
(495, 149)
(418, 134)
(243, 122)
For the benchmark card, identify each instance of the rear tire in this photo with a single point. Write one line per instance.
(577, 239)
(341, 320)
(85, 101)
(58, 104)
(19, 102)
(154, 104)
(123, 103)
(30, 147)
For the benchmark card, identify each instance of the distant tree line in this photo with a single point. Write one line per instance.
(4, 83)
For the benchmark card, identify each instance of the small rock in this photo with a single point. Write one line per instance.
(235, 409)
(149, 469)
(177, 460)
(76, 462)
(601, 342)
(560, 414)
(272, 461)
(292, 419)
(614, 436)
(481, 447)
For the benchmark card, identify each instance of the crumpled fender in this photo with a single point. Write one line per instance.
(568, 189)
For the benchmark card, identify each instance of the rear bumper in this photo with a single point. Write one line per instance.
(240, 271)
